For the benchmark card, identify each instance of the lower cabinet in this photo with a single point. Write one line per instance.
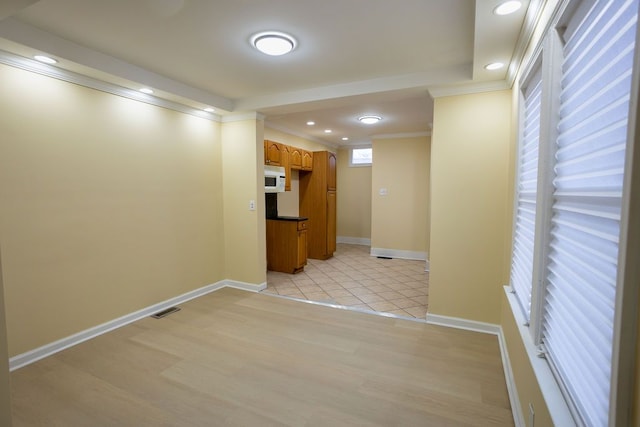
(286, 245)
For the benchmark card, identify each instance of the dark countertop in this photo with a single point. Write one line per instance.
(290, 218)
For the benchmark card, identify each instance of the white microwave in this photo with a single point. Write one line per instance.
(274, 179)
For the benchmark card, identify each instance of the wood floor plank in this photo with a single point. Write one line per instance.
(236, 358)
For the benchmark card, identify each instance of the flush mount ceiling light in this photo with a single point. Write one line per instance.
(45, 59)
(146, 90)
(273, 43)
(369, 120)
(494, 66)
(507, 7)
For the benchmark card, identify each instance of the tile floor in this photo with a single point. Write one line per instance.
(355, 279)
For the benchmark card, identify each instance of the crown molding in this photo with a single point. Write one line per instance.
(300, 135)
(401, 135)
(532, 19)
(34, 66)
(468, 88)
(238, 117)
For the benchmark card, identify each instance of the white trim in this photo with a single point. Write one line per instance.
(401, 135)
(364, 241)
(491, 329)
(246, 286)
(397, 253)
(468, 88)
(34, 66)
(67, 51)
(459, 323)
(239, 117)
(285, 129)
(553, 397)
(32, 356)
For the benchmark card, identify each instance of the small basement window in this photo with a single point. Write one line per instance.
(361, 157)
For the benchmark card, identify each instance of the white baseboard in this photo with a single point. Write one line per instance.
(397, 253)
(364, 241)
(458, 323)
(252, 287)
(493, 329)
(47, 350)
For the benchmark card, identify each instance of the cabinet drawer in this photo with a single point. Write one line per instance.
(302, 225)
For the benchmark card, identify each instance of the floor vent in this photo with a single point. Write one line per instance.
(164, 313)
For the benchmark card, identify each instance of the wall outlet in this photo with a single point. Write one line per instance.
(383, 192)
(252, 205)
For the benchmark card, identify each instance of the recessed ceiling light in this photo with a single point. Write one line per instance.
(344, 138)
(146, 90)
(273, 43)
(311, 123)
(507, 7)
(209, 110)
(494, 66)
(328, 131)
(45, 59)
(369, 120)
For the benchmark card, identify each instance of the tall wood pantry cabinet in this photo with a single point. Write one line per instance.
(318, 203)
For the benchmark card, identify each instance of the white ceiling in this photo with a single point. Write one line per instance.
(353, 56)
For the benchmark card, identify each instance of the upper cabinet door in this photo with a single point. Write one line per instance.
(307, 160)
(295, 158)
(331, 172)
(272, 153)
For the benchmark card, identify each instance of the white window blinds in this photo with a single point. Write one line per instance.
(526, 182)
(581, 270)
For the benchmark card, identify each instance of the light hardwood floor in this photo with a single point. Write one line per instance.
(236, 358)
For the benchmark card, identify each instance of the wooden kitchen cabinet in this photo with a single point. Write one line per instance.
(285, 162)
(295, 158)
(307, 160)
(287, 244)
(318, 204)
(272, 153)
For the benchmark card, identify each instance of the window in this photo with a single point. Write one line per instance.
(569, 296)
(361, 157)
(526, 191)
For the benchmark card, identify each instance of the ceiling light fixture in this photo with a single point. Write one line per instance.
(369, 120)
(146, 90)
(209, 110)
(344, 138)
(45, 59)
(507, 7)
(328, 131)
(311, 123)
(494, 66)
(273, 43)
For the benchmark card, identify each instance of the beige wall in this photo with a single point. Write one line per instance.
(289, 201)
(245, 230)
(107, 206)
(354, 198)
(470, 205)
(400, 219)
(5, 390)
